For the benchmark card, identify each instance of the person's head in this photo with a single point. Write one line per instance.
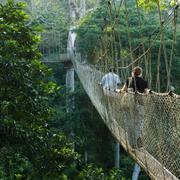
(112, 70)
(137, 71)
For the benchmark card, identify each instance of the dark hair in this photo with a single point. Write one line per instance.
(112, 70)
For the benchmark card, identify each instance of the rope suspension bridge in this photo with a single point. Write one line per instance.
(160, 152)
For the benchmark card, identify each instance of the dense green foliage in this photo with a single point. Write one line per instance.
(29, 146)
(106, 28)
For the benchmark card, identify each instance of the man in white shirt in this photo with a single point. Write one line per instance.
(111, 81)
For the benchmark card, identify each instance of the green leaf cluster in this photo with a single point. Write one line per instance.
(30, 148)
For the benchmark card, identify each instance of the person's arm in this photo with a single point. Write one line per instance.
(124, 88)
(146, 90)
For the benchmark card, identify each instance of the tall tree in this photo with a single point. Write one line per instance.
(29, 147)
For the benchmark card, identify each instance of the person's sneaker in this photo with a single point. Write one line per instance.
(139, 142)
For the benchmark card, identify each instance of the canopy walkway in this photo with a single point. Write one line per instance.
(159, 155)
(160, 152)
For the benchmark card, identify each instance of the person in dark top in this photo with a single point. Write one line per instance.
(136, 121)
(136, 82)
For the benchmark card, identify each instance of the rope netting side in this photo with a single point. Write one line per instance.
(161, 137)
(159, 123)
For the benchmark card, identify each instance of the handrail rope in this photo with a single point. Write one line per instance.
(166, 94)
(170, 93)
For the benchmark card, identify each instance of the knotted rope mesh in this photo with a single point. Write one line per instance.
(153, 117)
